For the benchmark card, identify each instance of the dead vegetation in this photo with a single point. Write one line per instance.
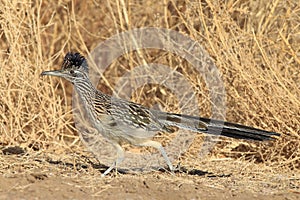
(255, 45)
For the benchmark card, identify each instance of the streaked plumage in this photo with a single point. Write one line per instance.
(120, 121)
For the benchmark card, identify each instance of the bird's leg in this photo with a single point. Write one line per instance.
(159, 147)
(120, 158)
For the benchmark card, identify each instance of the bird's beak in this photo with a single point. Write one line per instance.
(52, 73)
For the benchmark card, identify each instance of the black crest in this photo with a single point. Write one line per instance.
(74, 60)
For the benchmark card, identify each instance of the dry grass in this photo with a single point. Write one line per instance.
(254, 44)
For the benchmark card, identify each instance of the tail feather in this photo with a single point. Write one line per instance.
(217, 127)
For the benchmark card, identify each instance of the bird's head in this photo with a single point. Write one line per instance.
(74, 68)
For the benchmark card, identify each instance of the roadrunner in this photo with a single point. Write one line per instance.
(121, 121)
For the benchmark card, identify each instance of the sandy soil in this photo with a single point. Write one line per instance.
(153, 186)
(32, 178)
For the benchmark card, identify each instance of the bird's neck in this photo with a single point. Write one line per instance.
(85, 89)
(84, 100)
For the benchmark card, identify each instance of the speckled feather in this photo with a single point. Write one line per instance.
(121, 121)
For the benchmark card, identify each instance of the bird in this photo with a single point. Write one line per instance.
(121, 121)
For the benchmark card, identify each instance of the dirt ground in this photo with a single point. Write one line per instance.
(211, 179)
(153, 186)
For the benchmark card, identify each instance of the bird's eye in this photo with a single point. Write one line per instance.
(72, 72)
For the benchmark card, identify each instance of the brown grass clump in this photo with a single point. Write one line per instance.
(254, 44)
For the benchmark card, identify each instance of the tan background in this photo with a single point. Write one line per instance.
(255, 44)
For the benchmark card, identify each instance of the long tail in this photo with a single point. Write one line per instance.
(215, 127)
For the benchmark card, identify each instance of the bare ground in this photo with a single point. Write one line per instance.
(26, 177)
